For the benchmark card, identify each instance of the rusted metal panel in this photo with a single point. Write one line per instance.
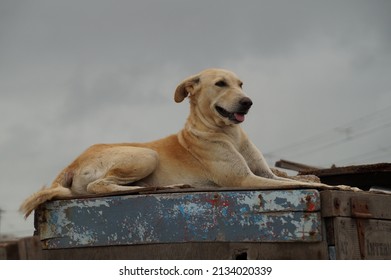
(232, 216)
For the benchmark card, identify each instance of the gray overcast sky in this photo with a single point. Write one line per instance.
(78, 72)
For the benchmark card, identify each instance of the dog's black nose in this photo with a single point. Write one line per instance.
(246, 102)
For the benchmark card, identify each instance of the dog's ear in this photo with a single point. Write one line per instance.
(185, 88)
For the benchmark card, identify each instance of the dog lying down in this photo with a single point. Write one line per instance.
(211, 150)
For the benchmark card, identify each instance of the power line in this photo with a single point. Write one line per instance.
(350, 131)
(347, 138)
(368, 155)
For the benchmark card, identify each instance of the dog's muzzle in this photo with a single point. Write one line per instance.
(238, 114)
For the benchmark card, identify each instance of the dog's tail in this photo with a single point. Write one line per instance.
(60, 188)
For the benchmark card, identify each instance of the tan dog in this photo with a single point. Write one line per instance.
(211, 150)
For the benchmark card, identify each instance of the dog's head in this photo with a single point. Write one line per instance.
(216, 95)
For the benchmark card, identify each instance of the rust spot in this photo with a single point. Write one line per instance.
(260, 200)
(310, 205)
(214, 200)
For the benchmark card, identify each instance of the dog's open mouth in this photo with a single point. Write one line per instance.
(237, 117)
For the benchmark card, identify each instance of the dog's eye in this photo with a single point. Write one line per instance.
(221, 84)
(241, 84)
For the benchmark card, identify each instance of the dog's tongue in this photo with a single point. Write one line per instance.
(239, 117)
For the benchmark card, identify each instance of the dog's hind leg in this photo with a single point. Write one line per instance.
(109, 185)
(132, 165)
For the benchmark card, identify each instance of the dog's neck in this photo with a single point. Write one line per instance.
(201, 127)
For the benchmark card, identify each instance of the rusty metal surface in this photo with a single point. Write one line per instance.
(237, 216)
(360, 210)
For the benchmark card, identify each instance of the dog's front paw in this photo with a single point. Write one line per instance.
(348, 188)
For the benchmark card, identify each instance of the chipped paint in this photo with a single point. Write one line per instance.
(231, 216)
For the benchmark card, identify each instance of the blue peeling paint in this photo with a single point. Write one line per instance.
(234, 216)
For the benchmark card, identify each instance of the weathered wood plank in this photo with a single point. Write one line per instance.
(339, 204)
(240, 216)
(9, 251)
(361, 176)
(28, 248)
(375, 235)
(196, 251)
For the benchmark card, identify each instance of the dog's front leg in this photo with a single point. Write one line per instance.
(256, 161)
(263, 177)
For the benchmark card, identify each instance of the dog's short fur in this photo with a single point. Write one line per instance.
(211, 150)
